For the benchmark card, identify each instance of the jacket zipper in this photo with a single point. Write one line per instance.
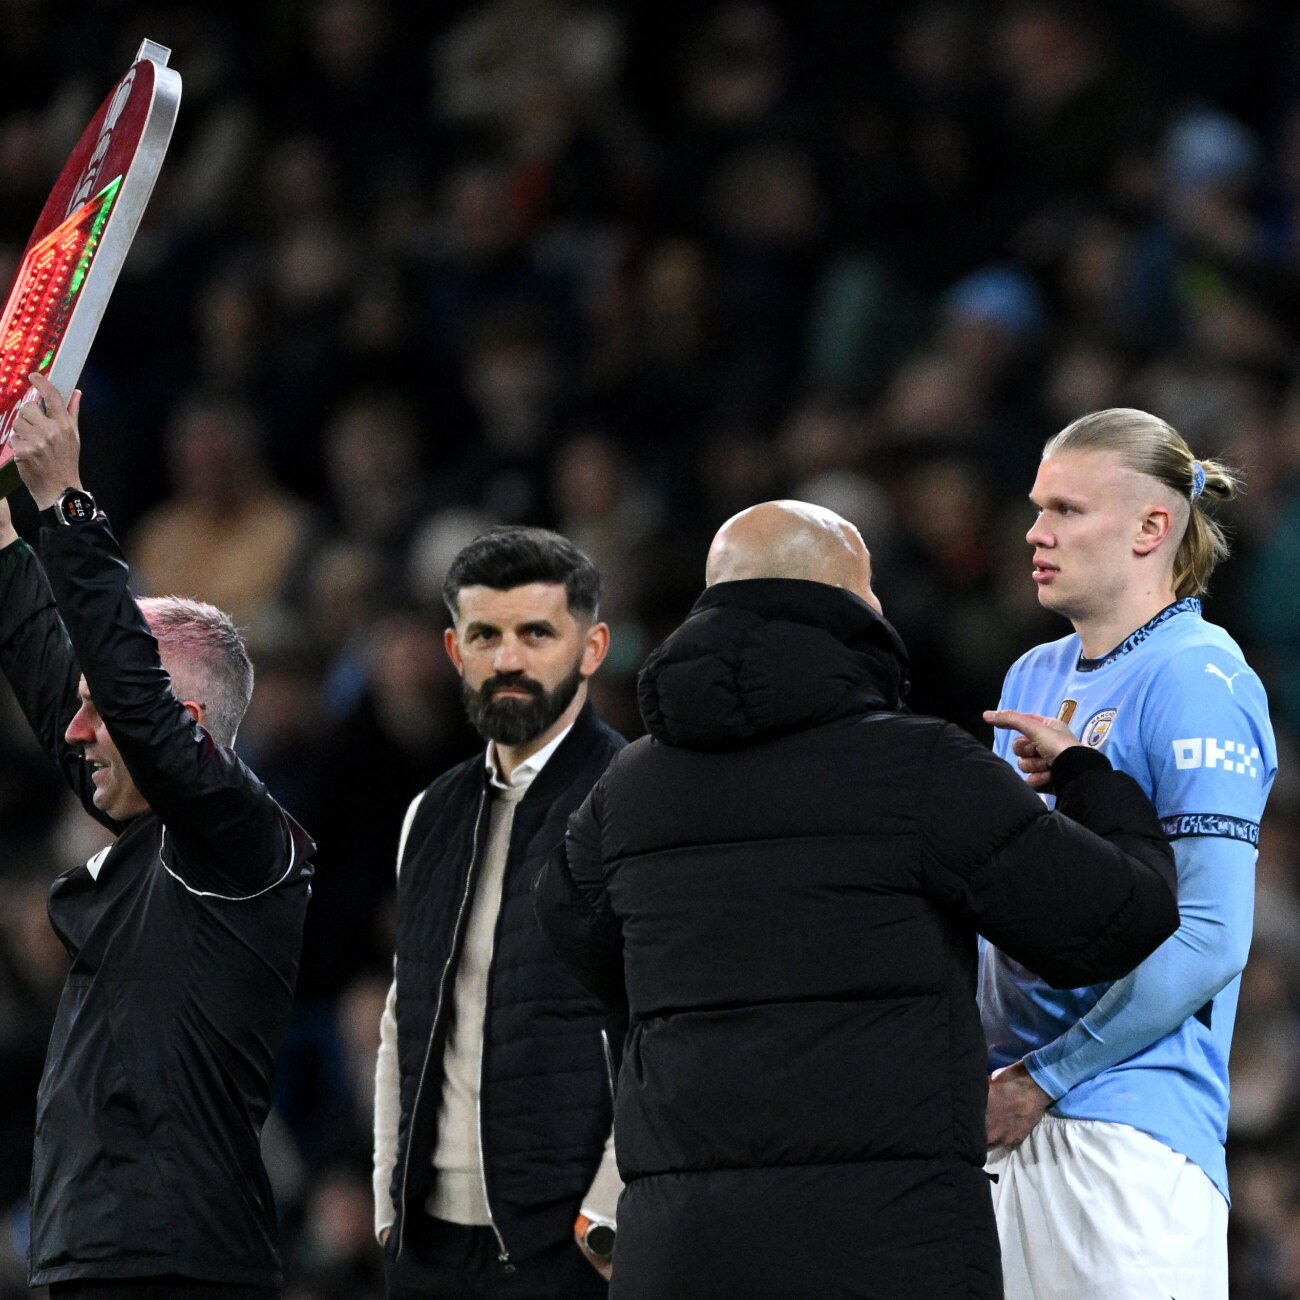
(437, 1013)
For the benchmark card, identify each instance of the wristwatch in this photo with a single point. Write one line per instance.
(596, 1237)
(74, 507)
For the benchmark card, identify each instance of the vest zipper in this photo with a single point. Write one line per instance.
(437, 1012)
(503, 1255)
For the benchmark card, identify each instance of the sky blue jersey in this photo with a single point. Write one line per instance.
(1176, 707)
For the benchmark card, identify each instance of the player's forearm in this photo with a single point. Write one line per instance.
(1207, 952)
(1135, 1012)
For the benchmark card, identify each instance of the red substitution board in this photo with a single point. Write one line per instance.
(72, 260)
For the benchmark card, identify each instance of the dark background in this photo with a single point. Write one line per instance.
(621, 270)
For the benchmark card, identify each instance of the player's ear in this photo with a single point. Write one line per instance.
(1155, 525)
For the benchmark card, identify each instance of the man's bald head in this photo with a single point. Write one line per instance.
(791, 539)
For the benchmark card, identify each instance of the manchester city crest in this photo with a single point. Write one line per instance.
(1098, 728)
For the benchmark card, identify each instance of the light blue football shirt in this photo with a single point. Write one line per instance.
(1176, 707)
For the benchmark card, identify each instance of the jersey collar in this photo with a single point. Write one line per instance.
(1188, 605)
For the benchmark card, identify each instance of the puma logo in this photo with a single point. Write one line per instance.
(1218, 672)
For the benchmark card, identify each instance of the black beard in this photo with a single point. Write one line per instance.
(517, 722)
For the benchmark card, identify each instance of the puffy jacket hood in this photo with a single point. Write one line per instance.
(767, 656)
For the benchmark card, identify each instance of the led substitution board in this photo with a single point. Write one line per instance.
(75, 253)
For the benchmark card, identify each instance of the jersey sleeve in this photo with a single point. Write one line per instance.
(1216, 894)
(1209, 746)
(1211, 758)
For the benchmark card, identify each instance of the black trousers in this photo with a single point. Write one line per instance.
(158, 1288)
(444, 1261)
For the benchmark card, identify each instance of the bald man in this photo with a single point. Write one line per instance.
(782, 885)
(791, 539)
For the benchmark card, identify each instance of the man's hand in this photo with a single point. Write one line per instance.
(46, 443)
(7, 533)
(1016, 1104)
(1040, 743)
(605, 1267)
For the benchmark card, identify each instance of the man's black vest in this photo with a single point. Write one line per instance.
(544, 1107)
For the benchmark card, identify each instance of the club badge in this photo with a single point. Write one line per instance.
(1098, 728)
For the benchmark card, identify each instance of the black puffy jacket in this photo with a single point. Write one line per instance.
(783, 884)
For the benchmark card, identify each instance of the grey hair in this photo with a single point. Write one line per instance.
(204, 653)
(1148, 445)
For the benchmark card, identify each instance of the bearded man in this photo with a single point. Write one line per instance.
(494, 1168)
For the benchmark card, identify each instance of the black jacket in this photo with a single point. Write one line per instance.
(545, 1102)
(783, 885)
(184, 939)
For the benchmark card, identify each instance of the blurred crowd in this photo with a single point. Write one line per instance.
(621, 269)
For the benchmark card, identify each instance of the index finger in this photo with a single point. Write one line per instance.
(51, 399)
(1014, 719)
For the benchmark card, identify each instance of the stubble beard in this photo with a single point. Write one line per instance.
(1088, 607)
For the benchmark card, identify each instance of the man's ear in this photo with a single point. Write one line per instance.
(195, 710)
(595, 648)
(1156, 524)
(452, 647)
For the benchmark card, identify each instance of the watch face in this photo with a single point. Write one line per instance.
(76, 507)
(599, 1240)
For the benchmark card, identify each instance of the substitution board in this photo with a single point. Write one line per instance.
(71, 262)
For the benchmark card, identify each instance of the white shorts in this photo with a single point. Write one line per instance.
(1089, 1210)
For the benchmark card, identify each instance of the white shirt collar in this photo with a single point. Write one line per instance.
(522, 777)
(97, 862)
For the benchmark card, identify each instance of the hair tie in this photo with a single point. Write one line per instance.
(1198, 479)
